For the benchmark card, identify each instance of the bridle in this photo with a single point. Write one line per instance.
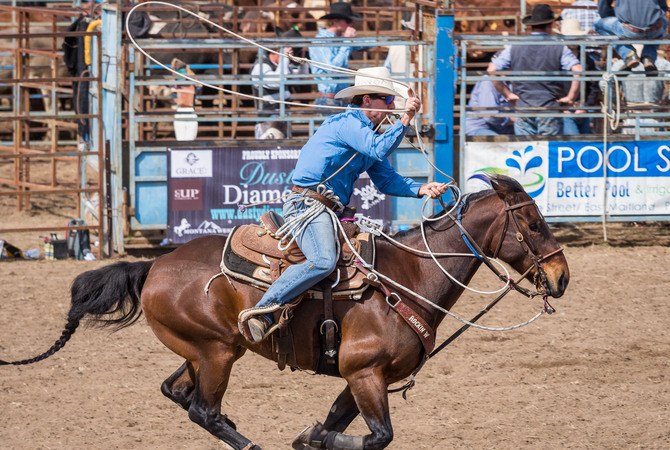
(524, 240)
(529, 248)
(521, 236)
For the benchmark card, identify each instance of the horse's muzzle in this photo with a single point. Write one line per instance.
(557, 279)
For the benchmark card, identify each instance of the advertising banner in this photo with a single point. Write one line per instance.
(206, 186)
(576, 178)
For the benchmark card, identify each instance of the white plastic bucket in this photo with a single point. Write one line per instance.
(185, 129)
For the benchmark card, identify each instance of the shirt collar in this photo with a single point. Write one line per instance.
(358, 112)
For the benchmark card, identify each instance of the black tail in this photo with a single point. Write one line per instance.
(110, 294)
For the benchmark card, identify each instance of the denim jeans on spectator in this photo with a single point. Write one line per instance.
(613, 27)
(577, 125)
(528, 126)
(481, 132)
(317, 242)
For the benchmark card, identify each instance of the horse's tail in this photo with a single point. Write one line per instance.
(111, 295)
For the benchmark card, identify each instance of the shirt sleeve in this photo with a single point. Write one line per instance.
(359, 136)
(390, 182)
(568, 59)
(503, 59)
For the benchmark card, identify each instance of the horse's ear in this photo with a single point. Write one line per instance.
(498, 188)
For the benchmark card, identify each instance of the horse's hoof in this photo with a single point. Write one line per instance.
(301, 441)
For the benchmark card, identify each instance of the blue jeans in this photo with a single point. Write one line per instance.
(317, 242)
(612, 27)
(577, 125)
(530, 126)
(481, 132)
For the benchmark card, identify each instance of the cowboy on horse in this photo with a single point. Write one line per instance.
(345, 146)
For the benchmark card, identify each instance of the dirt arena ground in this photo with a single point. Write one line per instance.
(592, 375)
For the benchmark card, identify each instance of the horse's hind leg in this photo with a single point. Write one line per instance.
(179, 386)
(205, 409)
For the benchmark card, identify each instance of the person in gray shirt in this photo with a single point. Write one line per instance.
(634, 20)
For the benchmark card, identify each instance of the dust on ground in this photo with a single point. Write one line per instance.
(592, 375)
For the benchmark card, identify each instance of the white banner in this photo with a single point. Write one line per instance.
(190, 163)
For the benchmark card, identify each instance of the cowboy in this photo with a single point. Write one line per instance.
(340, 18)
(634, 20)
(344, 146)
(537, 58)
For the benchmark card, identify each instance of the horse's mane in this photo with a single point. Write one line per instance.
(500, 183)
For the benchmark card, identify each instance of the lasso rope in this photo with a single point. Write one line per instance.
(295, 59)
(371, 268)
(297, 224)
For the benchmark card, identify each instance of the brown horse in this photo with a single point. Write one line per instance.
(377, 346)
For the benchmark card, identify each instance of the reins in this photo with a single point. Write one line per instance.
(529, 248)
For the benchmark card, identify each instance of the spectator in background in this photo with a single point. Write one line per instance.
(485, 95)
(340, 18)
(634, 20)
(537, 58)
(579, 125)
(642, 91)
(268, 69)
(586, 12)
(397, 63)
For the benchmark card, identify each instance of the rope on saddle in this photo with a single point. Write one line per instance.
(295, 225)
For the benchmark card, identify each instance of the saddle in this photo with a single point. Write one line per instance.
(251, 255)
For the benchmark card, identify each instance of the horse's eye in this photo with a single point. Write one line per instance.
(534, 227)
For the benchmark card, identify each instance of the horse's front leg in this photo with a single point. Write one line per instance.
(369, 393)
(341, 414)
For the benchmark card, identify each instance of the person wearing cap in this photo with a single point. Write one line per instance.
(339, 21)
(344, 146)
(580, 125)
(537, 58)
(634, 20)
(268, 69)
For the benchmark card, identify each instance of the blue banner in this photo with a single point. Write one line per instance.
(625, 159)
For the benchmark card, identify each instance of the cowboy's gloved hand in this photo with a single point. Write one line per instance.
(433, 189)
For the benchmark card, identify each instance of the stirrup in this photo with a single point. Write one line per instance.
(248, 313)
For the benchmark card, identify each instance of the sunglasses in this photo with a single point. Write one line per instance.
(388, 99)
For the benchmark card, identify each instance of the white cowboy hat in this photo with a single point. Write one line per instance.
(571, 27)
(370, 84)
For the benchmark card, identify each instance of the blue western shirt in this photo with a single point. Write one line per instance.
(339, 138)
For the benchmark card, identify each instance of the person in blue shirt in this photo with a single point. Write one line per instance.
(485, 95)
(344, 146)
(340, 18)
